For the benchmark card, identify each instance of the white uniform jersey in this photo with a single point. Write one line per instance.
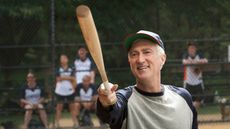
(33, 95)
(193, 74)
(86, 94)
(82, 68)
(64, 87)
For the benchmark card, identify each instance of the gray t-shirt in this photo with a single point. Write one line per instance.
(168, 111)
(136, 109)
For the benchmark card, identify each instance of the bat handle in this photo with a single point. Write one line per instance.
(107, 87)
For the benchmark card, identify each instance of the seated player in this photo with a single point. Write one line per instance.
(85, 96)
(32, 97)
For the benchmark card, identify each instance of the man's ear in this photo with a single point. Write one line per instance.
(163, 59)
(128, 58)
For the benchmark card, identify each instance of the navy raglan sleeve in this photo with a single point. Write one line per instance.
(185, 56)
(42, 93)
(115, 115)
(57, 73)
(200, 55)
(77, 92)
(187, 96)
(94, 90)
(188, 99)
(22, 93)
(72, 72)
(92, 65)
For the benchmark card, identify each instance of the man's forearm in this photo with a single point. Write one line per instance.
(113, 114)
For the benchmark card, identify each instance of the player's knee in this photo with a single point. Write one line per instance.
(40, 106)
(28, 107)
(88, 106)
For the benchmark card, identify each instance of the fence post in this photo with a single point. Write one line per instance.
(228, 53)
(53, 49)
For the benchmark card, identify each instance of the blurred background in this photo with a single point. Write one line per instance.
(34, 33)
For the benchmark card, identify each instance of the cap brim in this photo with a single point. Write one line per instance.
(130, 40)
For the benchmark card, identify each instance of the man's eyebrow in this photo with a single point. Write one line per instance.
(146, 49)
(131, 51)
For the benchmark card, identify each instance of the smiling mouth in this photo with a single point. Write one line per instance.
(142, 67)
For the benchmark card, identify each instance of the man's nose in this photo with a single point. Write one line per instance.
(140, 58)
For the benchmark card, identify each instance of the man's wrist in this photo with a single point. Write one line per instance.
(107, 104)
(105, 107)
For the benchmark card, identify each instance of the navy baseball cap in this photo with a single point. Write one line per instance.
(143, 34)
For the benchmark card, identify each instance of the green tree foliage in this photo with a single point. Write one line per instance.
(22, 22)
(26, 22)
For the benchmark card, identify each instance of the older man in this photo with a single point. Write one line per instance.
(86, 95)
(148, 104)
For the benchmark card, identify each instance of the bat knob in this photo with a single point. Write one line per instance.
(82, 11)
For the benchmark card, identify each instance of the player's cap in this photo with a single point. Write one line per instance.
(143, 34)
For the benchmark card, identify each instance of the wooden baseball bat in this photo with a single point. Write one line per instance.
(90, 35)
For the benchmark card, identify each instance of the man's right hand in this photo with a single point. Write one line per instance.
(107, 97)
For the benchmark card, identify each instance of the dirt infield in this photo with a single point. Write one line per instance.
(212, 117)
(226, 125)
(209, 117)
(66, 123)
(215, 126)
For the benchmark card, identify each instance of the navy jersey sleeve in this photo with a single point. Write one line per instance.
(94, 90)
(72, 72)
(73, 68)
(42, 93)
(185, 56)
(200, 55)
(92, 65)
(22, 92)
(77, 92)
(187, 96)
(115, 115)
(57, 72)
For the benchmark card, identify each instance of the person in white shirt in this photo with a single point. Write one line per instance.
(84, 66)
(65, 87)
(193, 81)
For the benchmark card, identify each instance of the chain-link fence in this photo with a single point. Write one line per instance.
(34, 33)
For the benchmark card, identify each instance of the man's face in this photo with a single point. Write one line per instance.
(192, 50)
(64, 59)
(86, 81)
(145, 60)
(82, 52)
(30, 78)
